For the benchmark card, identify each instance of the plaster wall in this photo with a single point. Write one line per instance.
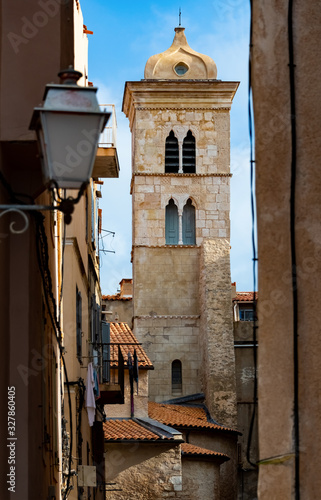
(143, 470)
(74, 279)
(28, 361)
(222, 443)
(243, 331)
(140, 399)
(244, 360)
(244, 369)
(30, 58)
(201, 480)
(76, 232)
(81, 45)
(271, 93)
(167, 339)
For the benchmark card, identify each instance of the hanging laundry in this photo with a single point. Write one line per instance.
(90, 396)
(96, 388)
(130, 365)
(135, 375)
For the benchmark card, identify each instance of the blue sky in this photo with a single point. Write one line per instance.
(125, 35)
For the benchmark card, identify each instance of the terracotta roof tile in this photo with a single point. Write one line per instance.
(120, 333)
(117, 296)
(245, 296)
(120, 430)
(192, 450)
(183, 416)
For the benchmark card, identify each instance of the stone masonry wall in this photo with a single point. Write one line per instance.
(143, 471)
(118, 311)
(209, 188)
(166, 281)
(216, 332)
(210, 195)
(210, 128)
(166, 339)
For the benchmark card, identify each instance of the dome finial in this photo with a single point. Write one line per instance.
(180, 17)
(180, 61)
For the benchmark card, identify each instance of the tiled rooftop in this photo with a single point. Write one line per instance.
(183, 416)
(192, 450)
(117, 296)
(245, 296)
(120, 333)
(127, 430)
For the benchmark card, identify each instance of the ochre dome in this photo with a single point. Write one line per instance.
(180, 62)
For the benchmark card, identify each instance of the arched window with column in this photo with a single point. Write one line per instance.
(188, 224)
(189, 155)
(177, 383)
(171, 154)
(171, 223)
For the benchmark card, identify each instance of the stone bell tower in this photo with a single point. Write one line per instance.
(179, 119)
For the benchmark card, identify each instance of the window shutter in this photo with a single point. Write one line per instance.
(79, 324)
(106, 350)
(92, 215)
(171, 224)
(189, 224)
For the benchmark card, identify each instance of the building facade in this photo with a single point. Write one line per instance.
(49, 269)
(179, 118)
(285, 69)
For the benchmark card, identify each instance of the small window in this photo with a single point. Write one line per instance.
(189, 224)
(189, 154)
(176, 376)
(79, 325)
(171, 154)
(171, 223)
(181, 68)
(246, 315)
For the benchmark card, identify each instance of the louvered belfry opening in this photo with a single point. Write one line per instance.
(189, 154)
(171, 154)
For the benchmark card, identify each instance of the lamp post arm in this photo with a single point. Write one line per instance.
(65, 205)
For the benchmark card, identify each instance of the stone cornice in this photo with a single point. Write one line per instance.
(166, 246)
(170, 93)
(184, 108)
(163, 174)
(171, 316)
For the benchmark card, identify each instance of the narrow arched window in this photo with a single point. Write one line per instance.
(171, 154)
(176, 376)
(171, 223)
(189, 154)
(188, 224)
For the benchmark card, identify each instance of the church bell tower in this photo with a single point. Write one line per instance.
(179, 119)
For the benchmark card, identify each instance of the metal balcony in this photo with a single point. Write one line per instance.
(106, 164)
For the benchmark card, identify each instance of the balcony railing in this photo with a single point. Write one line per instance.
(108, 138)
